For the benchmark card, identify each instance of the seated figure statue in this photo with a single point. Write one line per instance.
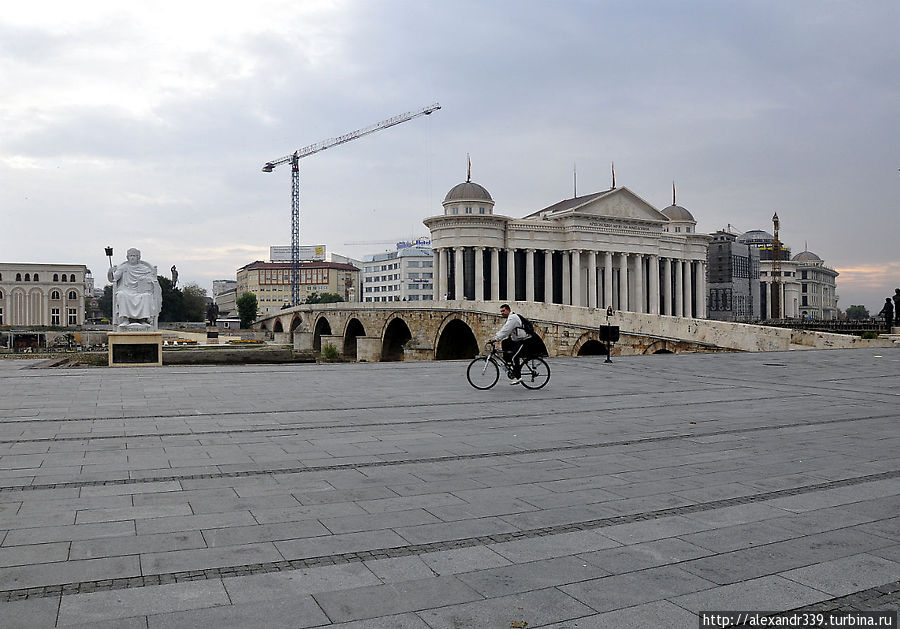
(137, 296)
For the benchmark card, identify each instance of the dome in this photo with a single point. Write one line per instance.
(807, 256)
(756, 237)
(678, 213)
(468, 191)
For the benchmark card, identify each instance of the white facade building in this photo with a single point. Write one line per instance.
(403, 275)
(43, 294)
(609, 248)
(818, 287)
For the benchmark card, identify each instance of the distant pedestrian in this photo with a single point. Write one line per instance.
(888, 312)
(896, 304)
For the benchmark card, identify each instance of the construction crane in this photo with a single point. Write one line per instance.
(306, 151)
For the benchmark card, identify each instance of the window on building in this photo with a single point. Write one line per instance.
(64, 279)
(412, 263)
(677, 230)
(803, 301)
(413, 298)
(54, 316)
(18, 277)
(27, 277)
(73, 294)
(427, 286)
(36, 278)
(54, 294)
(1, 313)
(73, 316)
(468, 209)
(56, 277)
(413, 276)
(428, 263)
(456, 210)
(803, 288)
(802, 275)
(481, 210)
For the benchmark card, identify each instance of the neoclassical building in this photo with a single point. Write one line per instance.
(610, 248)
(43, 294)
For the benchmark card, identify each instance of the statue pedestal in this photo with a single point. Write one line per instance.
(135, 349)
(212, 336)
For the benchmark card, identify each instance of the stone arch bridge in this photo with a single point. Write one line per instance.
(457, 329)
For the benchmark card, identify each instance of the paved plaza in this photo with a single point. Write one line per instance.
(395, 496)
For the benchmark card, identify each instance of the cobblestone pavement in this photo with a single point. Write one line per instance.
(393, 495)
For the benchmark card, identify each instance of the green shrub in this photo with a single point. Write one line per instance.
(870, 335)
(329, 352)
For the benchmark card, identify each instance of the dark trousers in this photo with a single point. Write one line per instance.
(514, 351)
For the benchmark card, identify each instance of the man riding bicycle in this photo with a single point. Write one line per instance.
(514, 341)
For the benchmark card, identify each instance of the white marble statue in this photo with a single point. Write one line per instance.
(137, 296)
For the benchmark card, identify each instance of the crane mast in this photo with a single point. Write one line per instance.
(294, 159)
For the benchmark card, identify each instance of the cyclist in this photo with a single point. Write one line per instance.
(514, 341)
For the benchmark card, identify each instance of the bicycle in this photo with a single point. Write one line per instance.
(484, 371)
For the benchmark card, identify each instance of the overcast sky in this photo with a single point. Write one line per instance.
(147, 124)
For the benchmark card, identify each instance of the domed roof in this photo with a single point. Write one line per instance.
(756, 237)
(678, 213)
(807, 256)
(468, 191)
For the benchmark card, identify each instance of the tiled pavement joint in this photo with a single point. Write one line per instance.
(438, 459)
(418, 549)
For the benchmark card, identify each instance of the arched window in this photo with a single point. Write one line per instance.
(73, 294)
(64, 277)
(56, 277)
(1, 292)
(72, 277)
(54, 294)
(35, 278)
(18, 277)
(28, 277)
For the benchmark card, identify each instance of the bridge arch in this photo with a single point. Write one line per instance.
(456, 341)
(592, 347)
(660, 347)
(322, 327)
(277, 326)
(353, 329)
(295, 322)
(396, 336)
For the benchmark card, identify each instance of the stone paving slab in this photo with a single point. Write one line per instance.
(394, 495)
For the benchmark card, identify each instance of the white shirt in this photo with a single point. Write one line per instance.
(512, 328)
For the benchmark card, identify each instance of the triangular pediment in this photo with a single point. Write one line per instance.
(618, 204)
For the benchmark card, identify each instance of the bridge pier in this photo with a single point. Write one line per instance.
(368, 349)
(303, 341)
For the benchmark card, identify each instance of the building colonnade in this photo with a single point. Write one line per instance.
(635, 282)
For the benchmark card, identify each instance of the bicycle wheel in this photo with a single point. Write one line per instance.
(535, 373)
(483, 373)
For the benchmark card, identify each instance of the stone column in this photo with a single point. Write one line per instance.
(567, 284)
(548, 276)
(638, 283)
(436, 284)
(679, 288)
(623, 281)
(529, 275)
(654, 285)
(510, 275)
(667, 287)
(592, 279)
(479, 273)
(688, 290)
(459, 285)
(495, 273)
(443, 279)
(607, 280)
(701, 290)
(576, 278)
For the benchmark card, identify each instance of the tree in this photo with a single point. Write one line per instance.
(246, 305)
(194, 299)
(172, 301)
(324, 298)
(106, 302)
(858, 313)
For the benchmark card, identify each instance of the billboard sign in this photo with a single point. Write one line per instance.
(278, 253)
